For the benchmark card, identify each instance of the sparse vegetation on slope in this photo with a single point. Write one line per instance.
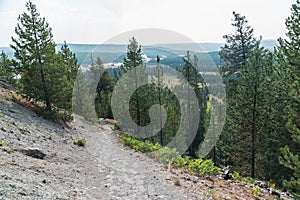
(171, 159)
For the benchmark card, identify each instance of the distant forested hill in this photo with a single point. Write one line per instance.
(170, 53)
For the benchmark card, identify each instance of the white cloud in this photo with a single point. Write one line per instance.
(94, 21)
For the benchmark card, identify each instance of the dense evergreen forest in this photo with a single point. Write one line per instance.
(261, 136)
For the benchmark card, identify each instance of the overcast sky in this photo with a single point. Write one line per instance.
(95, 21)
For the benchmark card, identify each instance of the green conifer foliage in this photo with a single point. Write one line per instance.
(289, 88)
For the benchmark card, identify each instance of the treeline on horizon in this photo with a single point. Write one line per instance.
(261, 136)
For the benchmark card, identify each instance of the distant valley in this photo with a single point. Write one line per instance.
(170, 54)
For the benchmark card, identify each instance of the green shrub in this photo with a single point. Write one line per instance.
(181, 162)
(65, 116)
(80, 142)
(167, 155)
(50, 115)
(236, 176)
(248, 180)
(139, 145)
(204, 167)
(194, 165)
(10, 96)
(2, 143)
(54, 114)
(256, 190)
(121, 134)
(170, 156)
(11, 150)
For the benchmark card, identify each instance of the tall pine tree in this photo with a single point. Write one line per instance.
(131, 62)
(159, 87)
(70, 67)
(41, 74)
(70, 62)
(234, 57)
(195, 80)
(289, 71)
(250, 117)
(235, 53)
(99, 77)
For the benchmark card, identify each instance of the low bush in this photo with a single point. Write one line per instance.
(2, 143)
(182, 162)
(194, 165)
(248, 180)
(80, 142)
(236, 176)
(139, 145)
(54, 115)
(65, 116)
(203, 167)
(168, 155)
(256, 190)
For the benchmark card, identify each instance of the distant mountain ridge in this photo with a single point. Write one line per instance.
(210, 47)
(116, 52)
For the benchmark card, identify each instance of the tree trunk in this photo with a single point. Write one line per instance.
(160, 103)
(138, 115)
(46, 94)
(42, 74)
(253, 129)
(191, 148)
(253, 132)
